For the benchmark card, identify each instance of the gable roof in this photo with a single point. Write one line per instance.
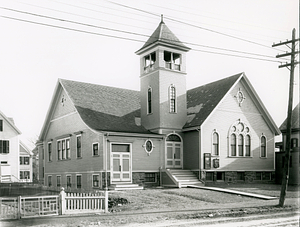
(201, 101)
(11, 122)
(24, 148)
(105, 108)
(295, 120)
(163, 36)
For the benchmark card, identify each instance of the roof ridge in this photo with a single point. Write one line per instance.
(93, 84)
(161, 30)
(163, 35)
(217, 81)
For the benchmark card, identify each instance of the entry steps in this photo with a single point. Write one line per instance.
(184, 178)
(125, 186)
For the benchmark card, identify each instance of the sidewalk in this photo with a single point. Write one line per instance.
(136, 218)
(234, 192)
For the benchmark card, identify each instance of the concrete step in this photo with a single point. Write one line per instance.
(179, 171)
(187, 181)
(183, 174)
(125, 186)
(194, 184)
(185, 177)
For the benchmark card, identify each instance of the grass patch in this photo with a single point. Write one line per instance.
(155, 200)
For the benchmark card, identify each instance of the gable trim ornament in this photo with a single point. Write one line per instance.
(240, 97)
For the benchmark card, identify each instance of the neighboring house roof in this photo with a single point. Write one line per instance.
(25, 148)
(295, 120)
(106, 108)
(163, 36)
(11, 122)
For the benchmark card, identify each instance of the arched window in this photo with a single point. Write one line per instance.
(233, 144)
(247, 145)
(263, 145)
(172, 99)
(215, 139)
(241, 145)
(239, 140)
(174, 138)
(149, 101)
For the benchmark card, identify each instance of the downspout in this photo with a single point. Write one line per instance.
(105, 135)
(200, 145)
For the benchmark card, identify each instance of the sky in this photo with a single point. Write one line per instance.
(95, 41)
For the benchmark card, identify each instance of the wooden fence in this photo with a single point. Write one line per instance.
(8, 208)
(83, 202)
(64, 203)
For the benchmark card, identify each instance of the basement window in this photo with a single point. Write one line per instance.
(150, 178)
(209, 176)
(220, 176)
(240, 176)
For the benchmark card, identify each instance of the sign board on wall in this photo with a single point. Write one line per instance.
(216, 163)
(207, 160)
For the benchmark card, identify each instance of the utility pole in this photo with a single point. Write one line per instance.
(291, 67)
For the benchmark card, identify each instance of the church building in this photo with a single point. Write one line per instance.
(97, 136)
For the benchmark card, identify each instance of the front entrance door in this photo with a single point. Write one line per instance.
(173, 152)
(121, 163)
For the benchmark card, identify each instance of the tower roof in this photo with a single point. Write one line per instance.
(163, 36)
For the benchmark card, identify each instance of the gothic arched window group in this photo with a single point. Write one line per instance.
(240, 140)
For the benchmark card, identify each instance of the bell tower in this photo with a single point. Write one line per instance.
(163, 81)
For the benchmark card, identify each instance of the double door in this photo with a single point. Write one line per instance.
(121, 167)
(173, 155)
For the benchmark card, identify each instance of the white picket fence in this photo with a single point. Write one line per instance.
(84, 202)
(64, 203)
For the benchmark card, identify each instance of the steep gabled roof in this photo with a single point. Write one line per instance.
(25, 148)
(201, 101)
(105, 108)
(11, 122)
(295, 120)
(163, 36)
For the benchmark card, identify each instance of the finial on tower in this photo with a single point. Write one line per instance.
(162, 18)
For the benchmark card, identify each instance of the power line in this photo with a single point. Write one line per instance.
(71, 29)
(80, 7)
(128, 39)
(131, 33)
(192, 25)
(129, 7)
(220, 33)
(74, 14)
(74, 22)
(197, 14)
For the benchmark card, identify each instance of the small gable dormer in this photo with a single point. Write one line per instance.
(163, 81)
